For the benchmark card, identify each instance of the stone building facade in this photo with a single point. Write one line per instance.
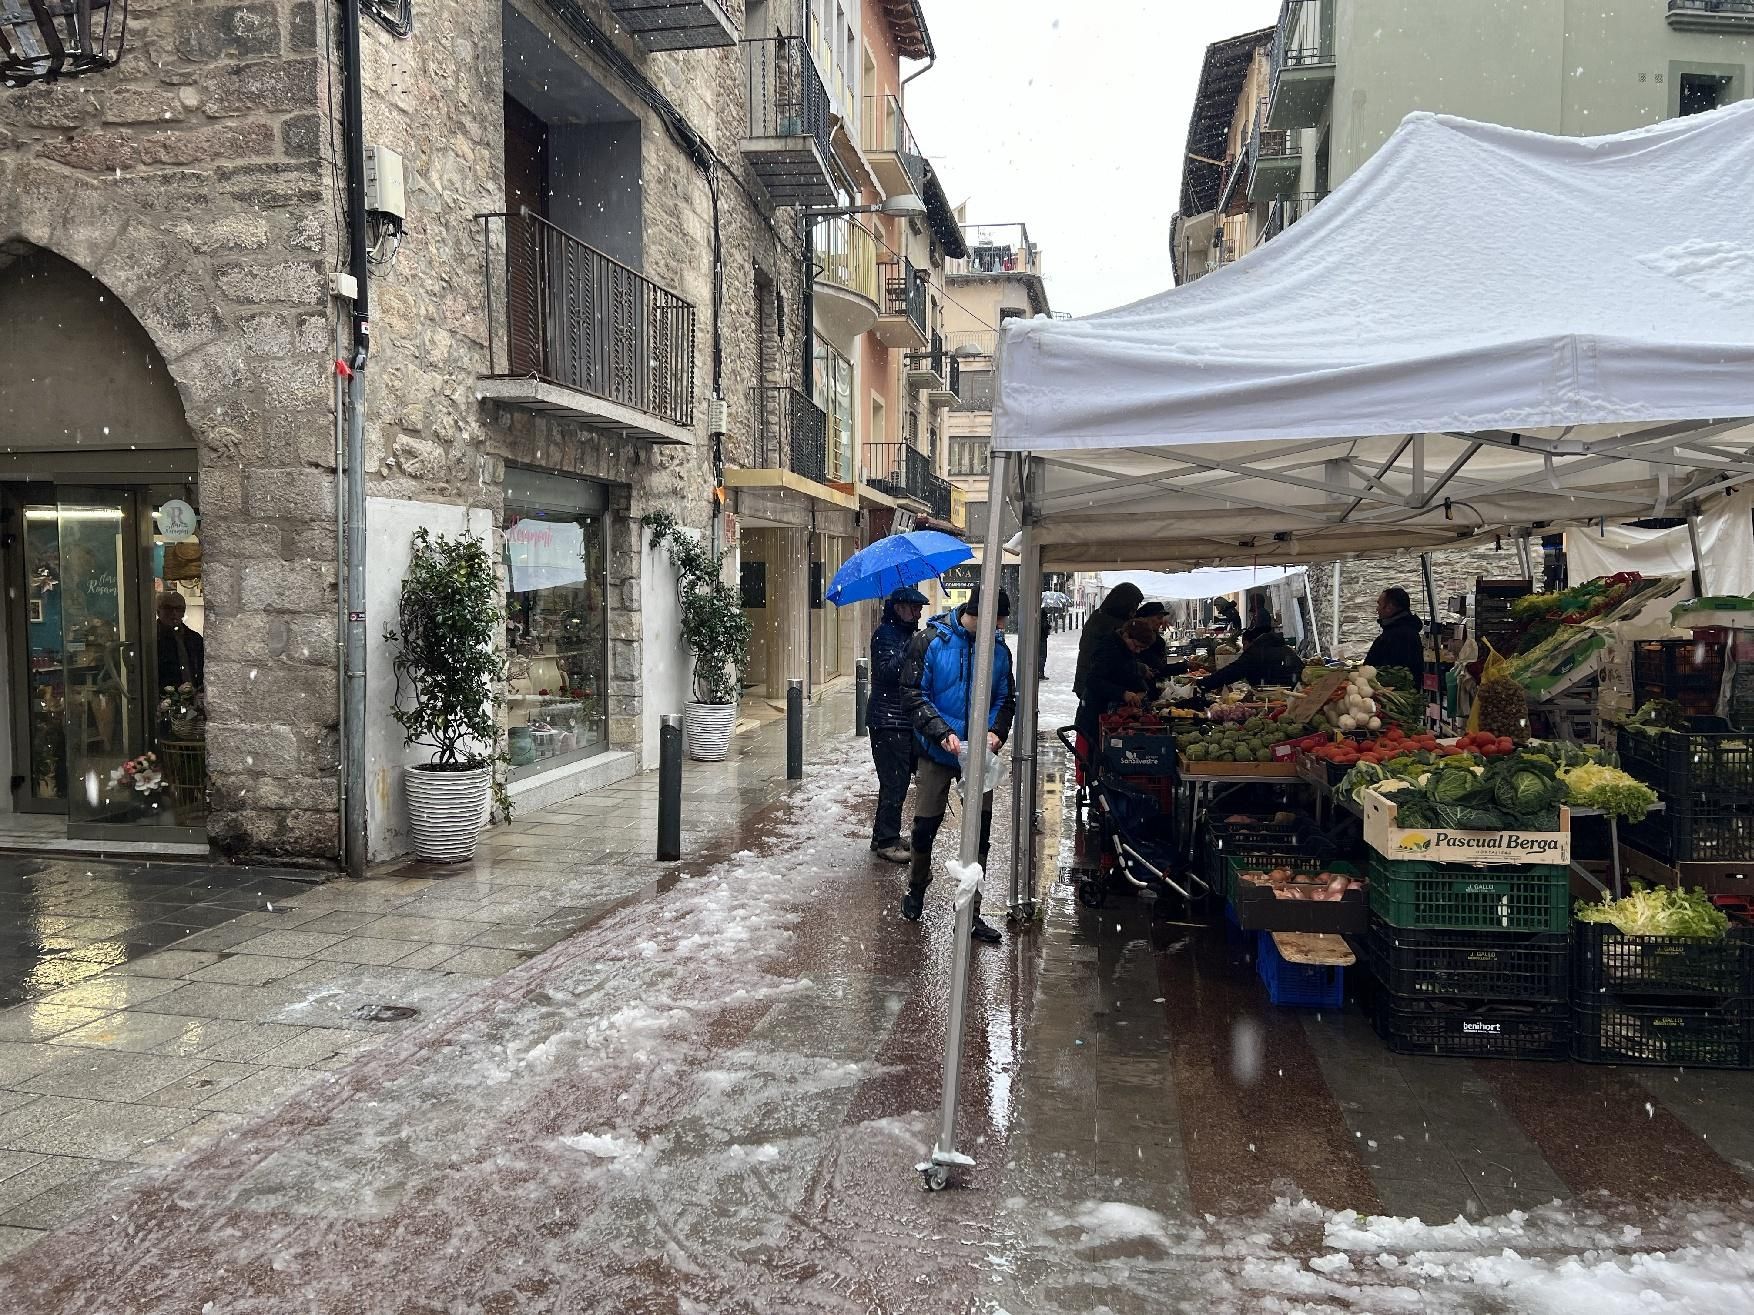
(201, 184)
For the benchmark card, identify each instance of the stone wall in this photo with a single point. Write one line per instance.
(188, 181)
(1454, 572)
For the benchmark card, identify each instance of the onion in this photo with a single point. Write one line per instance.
(1374, 724)
(1348, 722)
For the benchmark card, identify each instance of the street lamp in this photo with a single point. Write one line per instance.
(41, 40)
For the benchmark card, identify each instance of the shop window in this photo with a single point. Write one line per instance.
(557, 622)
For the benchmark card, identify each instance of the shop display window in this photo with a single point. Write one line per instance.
(557, 625)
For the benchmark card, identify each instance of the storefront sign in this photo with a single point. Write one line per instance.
(177, 521)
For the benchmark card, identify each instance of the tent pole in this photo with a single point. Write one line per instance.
(1334, 644)
(1526, 557)
(1698, 557)
(944, 1154)
(1023, 731)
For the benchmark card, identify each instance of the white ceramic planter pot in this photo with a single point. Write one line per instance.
(446, 811)
(706, 729)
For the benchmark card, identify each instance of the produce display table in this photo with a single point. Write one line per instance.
(1201, 783)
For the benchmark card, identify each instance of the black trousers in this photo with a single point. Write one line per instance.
(893, 753)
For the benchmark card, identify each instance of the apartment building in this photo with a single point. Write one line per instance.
(588, 225)
(845, 453)
(999, 279)
(1283, 116)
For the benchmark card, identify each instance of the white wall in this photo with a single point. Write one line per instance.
(665, 664)
(390, 524)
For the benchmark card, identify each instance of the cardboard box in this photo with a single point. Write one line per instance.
(1274, 771)
(1436, 845)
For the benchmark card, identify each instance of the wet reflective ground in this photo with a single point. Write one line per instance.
(710, 1095)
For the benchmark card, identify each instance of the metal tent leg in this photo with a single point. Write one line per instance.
(1023, 732)
(935, 1172)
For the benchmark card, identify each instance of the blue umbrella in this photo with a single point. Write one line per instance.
(890, 563)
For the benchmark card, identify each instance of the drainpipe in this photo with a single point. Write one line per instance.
(353, 727)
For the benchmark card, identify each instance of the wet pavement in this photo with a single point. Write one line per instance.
(704, 1088)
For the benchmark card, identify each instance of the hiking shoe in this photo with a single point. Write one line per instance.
(895, 853)
(982, 930)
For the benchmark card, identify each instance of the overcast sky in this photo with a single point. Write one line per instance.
(1071, 116)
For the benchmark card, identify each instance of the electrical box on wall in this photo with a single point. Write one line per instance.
(383, 183)
(718, 416)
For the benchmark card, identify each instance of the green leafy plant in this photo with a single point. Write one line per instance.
(714, 625)
(1659, 911)
(449, 666)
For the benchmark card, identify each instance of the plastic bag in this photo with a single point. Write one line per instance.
(1495, 666)
(995, 770)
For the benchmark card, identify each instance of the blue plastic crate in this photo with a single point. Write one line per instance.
(1297, 984)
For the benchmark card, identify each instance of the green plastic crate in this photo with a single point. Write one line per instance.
(1461, 897)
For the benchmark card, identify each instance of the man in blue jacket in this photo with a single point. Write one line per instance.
(935, 687)
(892, 731)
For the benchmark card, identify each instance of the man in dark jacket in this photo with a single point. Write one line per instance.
(1400, 644)
(1117, 676)
(1116, 610)
(892, 731)
(1267, 658)
(935, 683)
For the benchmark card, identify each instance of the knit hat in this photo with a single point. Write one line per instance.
(974, 602)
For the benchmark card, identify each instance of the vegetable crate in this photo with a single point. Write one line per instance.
(1688, 671)
(1415, 895)
(1297, 984)
(1259, 909)
(1473, 1029)
(1478, 965)
(1608, 962)
(1680, 764)
(1690, 1035)
(1697, 830)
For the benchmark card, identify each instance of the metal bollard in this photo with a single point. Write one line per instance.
(669, 787)
(861, 696)
(794, 730)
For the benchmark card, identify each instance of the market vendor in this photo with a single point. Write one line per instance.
(1401, 643)
(1155, 659)
(1226, 614)
(1116, 676)
(1267, 658)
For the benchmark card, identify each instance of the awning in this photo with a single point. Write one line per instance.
(1208, 582)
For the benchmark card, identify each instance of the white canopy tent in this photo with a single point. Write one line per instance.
(1481, 330)
(1208, 582)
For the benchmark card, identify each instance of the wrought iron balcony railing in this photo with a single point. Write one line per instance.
(784, 91)
(563, 312)
(903, 471)
(904, 291)
(1304, 37)
(1282, 214)
(996, 249)
(789, 432)
(1711, 15)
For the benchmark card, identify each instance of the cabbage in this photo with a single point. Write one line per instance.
(1453, 785)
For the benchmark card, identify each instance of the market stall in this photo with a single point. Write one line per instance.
(1421, 363)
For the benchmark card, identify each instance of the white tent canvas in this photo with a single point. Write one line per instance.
(1483, 328)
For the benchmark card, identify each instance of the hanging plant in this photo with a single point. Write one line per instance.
(714, 625)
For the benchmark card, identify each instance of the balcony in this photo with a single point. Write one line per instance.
(846, 291)
(901, 318)
(790, 124)
(1275, 158)
(574, 333)
(790, 433)
(950, 391)
(676, 24)
(1303, 64)
(1711, 15)
(895, 156)
(995, 250)
(926, 369)
(905, 472)
(1283, 213)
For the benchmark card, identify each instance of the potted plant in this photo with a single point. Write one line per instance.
(449, 670)
(716, 629)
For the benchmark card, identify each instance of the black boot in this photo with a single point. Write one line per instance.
(919, 875)
(979, 928)
(913, 904)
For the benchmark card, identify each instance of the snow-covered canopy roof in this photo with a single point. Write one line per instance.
(1483, 329)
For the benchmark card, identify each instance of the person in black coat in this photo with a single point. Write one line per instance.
(1116, 610)
(1116, 677)
(892, 730)
(1401, 643)
(1267, 658)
